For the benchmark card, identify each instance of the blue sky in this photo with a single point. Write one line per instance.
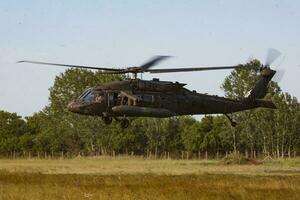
(125, 33)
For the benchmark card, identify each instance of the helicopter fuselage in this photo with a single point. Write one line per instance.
(142, 98)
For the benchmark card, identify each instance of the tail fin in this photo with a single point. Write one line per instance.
(261, 86)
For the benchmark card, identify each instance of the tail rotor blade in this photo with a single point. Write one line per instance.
(279, 71)
(279, 75)
(272, 55)
(250, 59)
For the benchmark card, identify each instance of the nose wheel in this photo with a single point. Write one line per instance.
(107, 120)
(124, 122)
(233, 123)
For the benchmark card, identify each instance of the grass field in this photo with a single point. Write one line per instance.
(137, 178)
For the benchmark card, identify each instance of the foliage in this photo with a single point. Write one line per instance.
(273, 133)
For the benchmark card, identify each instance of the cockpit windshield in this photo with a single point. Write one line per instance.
(84, 93)
(89, 95)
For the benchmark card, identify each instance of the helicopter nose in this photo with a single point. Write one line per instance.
(74, 107)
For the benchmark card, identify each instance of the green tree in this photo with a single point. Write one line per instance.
(12, 127)
(262, 130)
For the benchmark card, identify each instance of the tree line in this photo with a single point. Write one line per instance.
(55, 131)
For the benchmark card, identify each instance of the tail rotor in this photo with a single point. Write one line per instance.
(272, 55)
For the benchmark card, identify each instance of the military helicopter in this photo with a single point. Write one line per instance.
(154, 98)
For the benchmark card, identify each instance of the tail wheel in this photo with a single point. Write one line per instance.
(107, 120)
(124, 123)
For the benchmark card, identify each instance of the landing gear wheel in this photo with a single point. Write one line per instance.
(233, 123)
(124, 123)
(107, 120)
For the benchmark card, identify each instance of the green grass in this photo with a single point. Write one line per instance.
(137, 178)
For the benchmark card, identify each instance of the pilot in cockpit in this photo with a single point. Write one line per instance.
(91, 95)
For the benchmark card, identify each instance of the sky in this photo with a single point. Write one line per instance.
(127, 33)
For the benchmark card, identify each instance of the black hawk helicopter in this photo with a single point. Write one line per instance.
(154, 98)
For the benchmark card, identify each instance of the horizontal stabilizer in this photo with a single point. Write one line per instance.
(265, 104)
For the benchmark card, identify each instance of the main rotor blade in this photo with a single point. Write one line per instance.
(66, 65)
(117, 72)
(194, 69)
(272, 55)
(152, 62)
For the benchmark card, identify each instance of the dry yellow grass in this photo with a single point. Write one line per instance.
(134, 166)
(127, 178)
